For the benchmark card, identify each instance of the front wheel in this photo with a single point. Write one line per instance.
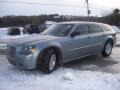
(48, 63)
(107, 49)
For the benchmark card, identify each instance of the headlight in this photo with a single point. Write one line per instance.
(28, 50)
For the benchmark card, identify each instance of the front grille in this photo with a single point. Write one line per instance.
(11, 51)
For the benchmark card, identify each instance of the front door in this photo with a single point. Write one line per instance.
(78, 46)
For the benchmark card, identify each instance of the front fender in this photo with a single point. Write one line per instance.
(42, 48)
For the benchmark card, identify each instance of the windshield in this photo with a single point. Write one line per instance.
(58, 30)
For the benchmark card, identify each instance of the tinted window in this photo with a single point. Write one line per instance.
(83, 29)
(95, 28)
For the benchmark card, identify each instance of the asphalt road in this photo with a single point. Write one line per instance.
(93, 63)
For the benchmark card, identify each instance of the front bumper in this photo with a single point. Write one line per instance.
(22, 61)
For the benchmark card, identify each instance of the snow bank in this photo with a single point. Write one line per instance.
(116, 29)
(4, 38)
(69, 76)
(15, 79)
(3, 31)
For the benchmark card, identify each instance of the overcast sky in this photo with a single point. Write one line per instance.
(97, 7)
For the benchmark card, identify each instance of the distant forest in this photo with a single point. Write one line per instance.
(7, 21)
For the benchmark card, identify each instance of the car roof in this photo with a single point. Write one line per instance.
(80, 22)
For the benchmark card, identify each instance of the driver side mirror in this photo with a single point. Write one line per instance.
(73, 34)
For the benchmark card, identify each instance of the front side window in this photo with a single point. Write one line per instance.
(82, 29)
(58, 30)
(94, 28)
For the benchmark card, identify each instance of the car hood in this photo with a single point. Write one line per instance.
(32, 39)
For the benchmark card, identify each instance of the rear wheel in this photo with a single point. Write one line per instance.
(107, 49)
(48, 63)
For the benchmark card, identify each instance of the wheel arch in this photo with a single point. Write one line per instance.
(104, 49)
(110, 39)
(57, 51)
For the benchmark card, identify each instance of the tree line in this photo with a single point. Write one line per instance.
(7, 21)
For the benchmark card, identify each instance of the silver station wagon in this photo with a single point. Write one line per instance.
(61, 43)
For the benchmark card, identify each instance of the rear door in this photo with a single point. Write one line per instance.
(96, 38)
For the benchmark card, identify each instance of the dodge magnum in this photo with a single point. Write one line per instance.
(62, 42)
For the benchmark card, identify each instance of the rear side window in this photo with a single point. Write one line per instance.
(106, 27)
(83, 29)
(94, 28)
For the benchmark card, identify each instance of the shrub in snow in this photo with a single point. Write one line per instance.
(69, 76)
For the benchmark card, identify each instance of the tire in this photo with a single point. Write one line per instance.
(49, 61)
(107, 49)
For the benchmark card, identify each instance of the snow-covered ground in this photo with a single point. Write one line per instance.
(3, 31)
(61, 79)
